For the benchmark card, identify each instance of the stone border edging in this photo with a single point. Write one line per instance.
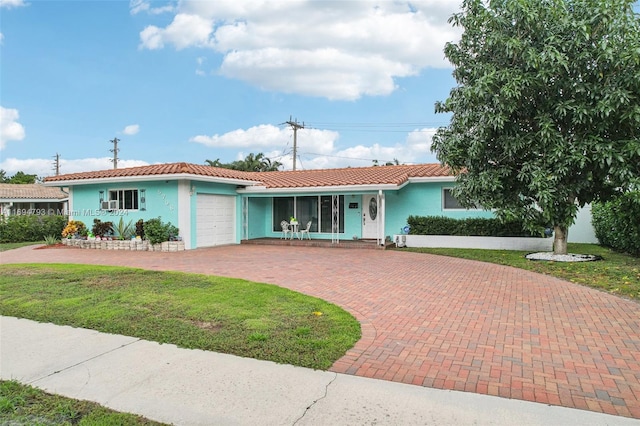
(131, 245)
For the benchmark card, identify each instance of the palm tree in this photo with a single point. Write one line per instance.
(252, 163)
(215, 163)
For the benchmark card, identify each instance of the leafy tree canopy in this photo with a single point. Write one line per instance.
(545, 116)
(251, 163)
(19, 177)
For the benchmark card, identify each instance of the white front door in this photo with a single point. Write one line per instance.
(370, 216)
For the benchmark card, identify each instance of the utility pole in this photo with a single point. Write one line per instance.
(295, 126)
(115, 152)
(56, 164)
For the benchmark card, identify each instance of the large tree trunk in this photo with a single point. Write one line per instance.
(560, 239)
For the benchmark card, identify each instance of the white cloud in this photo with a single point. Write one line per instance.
(138, 6)
(12, 3)
(1, 38)
(185, 31)
(267, 135)
(318, 148)
(131, 129)
(338, 50)
(10, 129)
(43, 167)
(200, 61)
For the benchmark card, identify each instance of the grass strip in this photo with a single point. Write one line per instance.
(26, 405)
(219, 314)
(616, 273)
(11, 246)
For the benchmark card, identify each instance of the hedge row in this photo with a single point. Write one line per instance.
(22, 228)
(484, 227)
(617, 223)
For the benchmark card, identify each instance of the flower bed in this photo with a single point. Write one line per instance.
(131, 245)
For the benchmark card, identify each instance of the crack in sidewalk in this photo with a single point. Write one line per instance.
(314, 402)
(83, 361)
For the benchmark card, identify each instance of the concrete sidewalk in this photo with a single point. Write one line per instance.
(193, 387)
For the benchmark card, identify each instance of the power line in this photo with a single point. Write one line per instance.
(345, 157)
(378, 125)
(377, 130)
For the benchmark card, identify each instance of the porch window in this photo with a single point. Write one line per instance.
(316, 209)
(307, 210)
(126, 199)
(282, 210)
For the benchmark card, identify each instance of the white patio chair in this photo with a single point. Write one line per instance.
(285, 229)
(306, 231)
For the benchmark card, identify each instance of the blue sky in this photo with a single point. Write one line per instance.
(190, 81)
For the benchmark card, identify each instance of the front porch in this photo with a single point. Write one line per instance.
(344, 244)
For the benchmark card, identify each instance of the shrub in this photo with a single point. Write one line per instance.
(486, 227)
(102, 228)
(23, 228)
(617, 224)
(124, 230)
(140, 228)
(156, 231)
(51, 239)
(74, 227)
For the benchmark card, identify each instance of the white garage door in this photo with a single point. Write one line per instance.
(215, 220)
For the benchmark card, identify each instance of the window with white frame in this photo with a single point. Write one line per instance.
(125, 199)
(449, 202)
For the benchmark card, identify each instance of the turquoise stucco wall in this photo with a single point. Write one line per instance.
(259, 217)
(421, 199)
(161, 199)
(352, 217)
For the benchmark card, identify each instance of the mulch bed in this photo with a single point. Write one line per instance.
(54, 246)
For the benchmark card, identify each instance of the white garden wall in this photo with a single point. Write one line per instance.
(494, 243)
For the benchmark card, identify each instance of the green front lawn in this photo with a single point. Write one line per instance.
(616, 273)
(11, 246)
(25, 405)
(225, 315)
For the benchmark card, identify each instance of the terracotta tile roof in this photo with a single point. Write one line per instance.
(154, 170)
(375, 175)
(9, 191)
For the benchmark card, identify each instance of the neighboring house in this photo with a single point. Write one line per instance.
(582, 231)
(215, 206)
(32, 199)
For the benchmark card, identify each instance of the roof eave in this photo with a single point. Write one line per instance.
(32, 200)
(142, 178)
(316, 189)
(425, 179)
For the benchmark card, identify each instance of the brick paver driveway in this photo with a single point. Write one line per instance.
(441, 322)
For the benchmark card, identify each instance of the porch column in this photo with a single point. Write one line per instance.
(335, 219)
(245, 218)
(382, 217)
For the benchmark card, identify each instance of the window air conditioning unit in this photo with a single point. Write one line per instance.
(109, 205)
